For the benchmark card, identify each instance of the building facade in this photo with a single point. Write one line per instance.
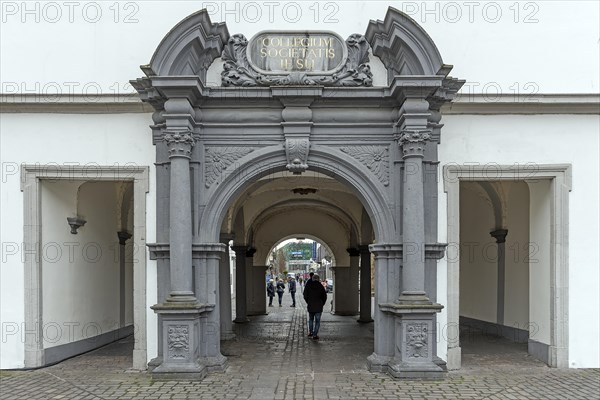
(475, 197)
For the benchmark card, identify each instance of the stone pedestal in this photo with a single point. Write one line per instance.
(414, 342)
(180, 328)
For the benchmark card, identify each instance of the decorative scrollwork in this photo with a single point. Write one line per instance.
(375, 158)
(237, 70)
(219, 158)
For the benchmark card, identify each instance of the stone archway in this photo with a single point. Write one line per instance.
(213, 142)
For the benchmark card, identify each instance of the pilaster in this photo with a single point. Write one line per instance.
(225, 291)
(240, 283)
(365, 284)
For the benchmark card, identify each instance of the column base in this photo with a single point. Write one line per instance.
(241, 320)
(364, 321)
(377, 363)
(407, 370)
(215, 364)
(182, 373)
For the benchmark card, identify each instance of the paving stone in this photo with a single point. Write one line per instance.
(271, 358)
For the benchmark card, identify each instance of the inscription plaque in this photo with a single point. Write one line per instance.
(285, 52)
(283, 58)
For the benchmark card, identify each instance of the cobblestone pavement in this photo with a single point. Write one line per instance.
(273, 359)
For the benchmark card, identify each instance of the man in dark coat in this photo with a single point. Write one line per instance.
(280, 289)
(315, 297)
(292, 290)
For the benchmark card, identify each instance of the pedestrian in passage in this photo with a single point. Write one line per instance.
(270, 292)
(292, 290)
(280, 290)
(315, 297)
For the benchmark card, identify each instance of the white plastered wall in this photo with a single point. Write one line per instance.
(527, 140)
(478, 271)
(80, 272)
(63, 139)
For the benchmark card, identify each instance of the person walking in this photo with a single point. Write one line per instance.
(280, 290)
(270, 292)
(292, 290)
(315, 297)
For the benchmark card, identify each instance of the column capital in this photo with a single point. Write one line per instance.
(123, 237)
(499, 235)
(179, 143)
(413, 141)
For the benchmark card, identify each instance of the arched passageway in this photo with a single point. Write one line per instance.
(372, 150)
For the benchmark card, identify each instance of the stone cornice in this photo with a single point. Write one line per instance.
(464, 104)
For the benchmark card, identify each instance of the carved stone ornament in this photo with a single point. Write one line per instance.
(238, 71)
(178, 341)
(413, 141)
(218, 159)
(375, 158)
(179, 143)
(296, 151)
(417, 346)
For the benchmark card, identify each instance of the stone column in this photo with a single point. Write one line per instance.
(365, 284)
(179, 315)
(180, 145)
(500, 236)
(123, 237)
(225, 293)
(414, 312)
(412, 137)
(240, 283)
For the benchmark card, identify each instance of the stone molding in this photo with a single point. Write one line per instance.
(464, 104)
(433, 251)
(162, 250)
